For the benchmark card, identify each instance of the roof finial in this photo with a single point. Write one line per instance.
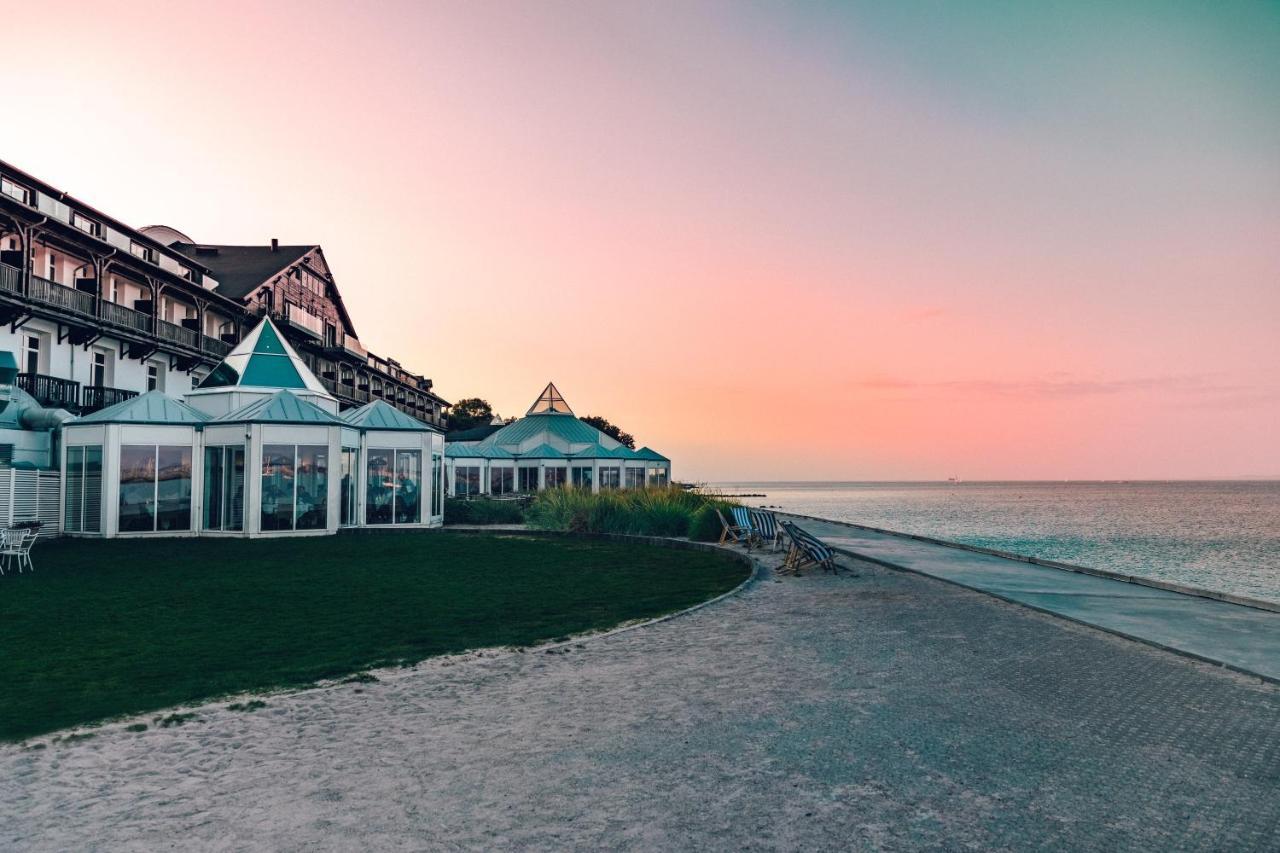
(550, 402)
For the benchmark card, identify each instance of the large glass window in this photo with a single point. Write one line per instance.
(155, 488)
(466, 480)
(610, 478)
(582, 477)
(528, 478)
(502, 481)
(173, 488)
(224, 487)
(553, 478)
(312, 503)
(437, 484)
(657, 478)
(381, 486)
(295, 487)
(84, 489)
(347, 491)
(394, 487)
(408, 499)
(635, 478)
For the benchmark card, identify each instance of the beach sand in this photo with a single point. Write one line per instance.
(880, 710)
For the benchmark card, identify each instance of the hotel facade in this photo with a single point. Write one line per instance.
(97, 312)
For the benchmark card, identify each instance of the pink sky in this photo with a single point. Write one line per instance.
(774, 244)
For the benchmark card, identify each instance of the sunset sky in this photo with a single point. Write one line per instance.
(810, 241)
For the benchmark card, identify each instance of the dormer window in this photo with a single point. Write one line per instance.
(17, 191)
(85, 224)
(188, 273)
(138, 250)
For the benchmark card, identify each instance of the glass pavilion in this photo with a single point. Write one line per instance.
(548, 448)
(259, 449)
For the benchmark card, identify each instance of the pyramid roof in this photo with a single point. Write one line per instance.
(264, 359)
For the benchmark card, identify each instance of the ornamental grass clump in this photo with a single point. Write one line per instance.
(640, 512)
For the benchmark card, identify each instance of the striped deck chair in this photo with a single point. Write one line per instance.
(733, 532)
(806, 550)
(765, 525)
(742, 517)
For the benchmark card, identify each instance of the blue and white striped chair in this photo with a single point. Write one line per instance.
(806, 550)
(733, 532)
(742, 518)
(765, 526)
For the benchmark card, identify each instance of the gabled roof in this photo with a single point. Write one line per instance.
(650, 453)
(152, 407)
(381, 415)
(241, 269)
(549, 402)
(282, 407)
(264, 359)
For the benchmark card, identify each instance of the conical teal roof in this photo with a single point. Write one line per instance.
(152, 407)
(282, 407)
(263, 359)
(381, 415)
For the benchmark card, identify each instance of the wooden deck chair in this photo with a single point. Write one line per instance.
(806, 550)
(765, 525)
(815, 552)
(742, 518)
(732, 532)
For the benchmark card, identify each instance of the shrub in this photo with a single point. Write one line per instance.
(482, 511)
(642, 512)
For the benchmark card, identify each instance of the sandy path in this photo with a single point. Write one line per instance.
(884, 710)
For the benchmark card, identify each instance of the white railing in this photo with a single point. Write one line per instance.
(302, 319)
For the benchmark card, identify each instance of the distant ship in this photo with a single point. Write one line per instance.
(954, 480)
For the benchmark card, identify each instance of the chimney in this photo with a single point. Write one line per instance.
(275, 244)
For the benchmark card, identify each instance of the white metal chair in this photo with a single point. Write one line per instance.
(17, 546)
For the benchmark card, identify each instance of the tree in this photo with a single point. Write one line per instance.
(468, 413)
(625, 438)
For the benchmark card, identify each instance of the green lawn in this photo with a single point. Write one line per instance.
(109, 628)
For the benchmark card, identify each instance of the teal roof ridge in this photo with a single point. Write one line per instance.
(153, 407)
(381, 415)
(283, 407)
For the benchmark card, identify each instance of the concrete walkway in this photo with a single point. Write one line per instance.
(1243, 638)
(874, 710)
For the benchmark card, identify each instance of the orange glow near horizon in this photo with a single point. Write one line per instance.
(845, 243)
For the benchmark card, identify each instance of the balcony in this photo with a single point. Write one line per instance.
(215, 346)
(95, 397)
(354, 347)
(66, 298)
(51, 391)
(126, 317)
(10, 279)
(167, 331)
(303, 320)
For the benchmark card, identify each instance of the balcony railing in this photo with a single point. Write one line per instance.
(67, 298)
(167, 331)
(215, 346)
(10, 278)
(126, 317)
(95, 397)
(51, 391)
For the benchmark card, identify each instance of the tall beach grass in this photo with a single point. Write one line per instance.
(640, 512)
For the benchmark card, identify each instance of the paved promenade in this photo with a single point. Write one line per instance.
(877, 711)
(1243, 638)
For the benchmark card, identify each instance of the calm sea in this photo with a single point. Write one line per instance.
(1220, 535)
